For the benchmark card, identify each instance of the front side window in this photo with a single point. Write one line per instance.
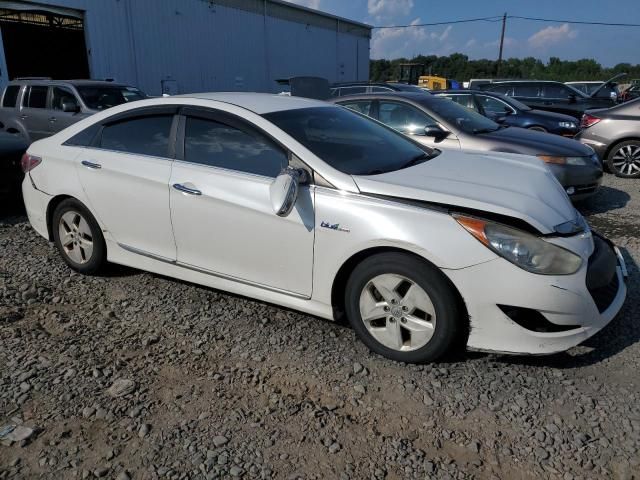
(460, 117)
(377, 89)
(60, 95)
(216, 144)
(348, 142)
(405, 118)
(503, 89)
(101, 98)
(493, 105)
(558, 91)
(148, 135)
(363, 107)
(10, 96)
(353, 90)
(36, 97)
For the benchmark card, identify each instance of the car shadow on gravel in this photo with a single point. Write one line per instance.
(605, 200)
(621, 333)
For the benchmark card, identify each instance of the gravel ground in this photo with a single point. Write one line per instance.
(136, 376)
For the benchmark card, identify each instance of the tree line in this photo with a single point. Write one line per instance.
(458, 67)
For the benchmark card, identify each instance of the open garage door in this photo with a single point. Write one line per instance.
(43, 42)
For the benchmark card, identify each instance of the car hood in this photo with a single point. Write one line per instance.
(536, 143)
(517, 186)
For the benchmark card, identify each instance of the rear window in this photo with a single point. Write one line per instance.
(10, 96)
(36, 97)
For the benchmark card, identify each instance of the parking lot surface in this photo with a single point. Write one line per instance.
(135, 376)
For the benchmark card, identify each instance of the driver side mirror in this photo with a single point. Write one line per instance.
(70, 107)
(284, 190)
(435, 131)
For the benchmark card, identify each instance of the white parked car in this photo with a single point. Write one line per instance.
(314, 207)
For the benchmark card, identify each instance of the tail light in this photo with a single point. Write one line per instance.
(588, 120)
(29, 162)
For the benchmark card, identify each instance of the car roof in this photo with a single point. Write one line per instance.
(75, 83)
(259, 103)
(415, 97)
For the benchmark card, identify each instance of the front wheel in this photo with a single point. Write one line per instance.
(78, 237)
(624, 159)
(403, 308)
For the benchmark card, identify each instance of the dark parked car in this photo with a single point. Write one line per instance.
(509, 111)
(550, 96)
(12, 147)
(358, 88)
(614, 134)
(439, 122)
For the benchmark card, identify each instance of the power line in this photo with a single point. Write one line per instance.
(499, 18)
(534, 19)
(450, 22)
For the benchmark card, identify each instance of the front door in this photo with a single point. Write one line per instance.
(221, 210)
(59, 119)
(125, 175)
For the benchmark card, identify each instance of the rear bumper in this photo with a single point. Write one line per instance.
(564, 301)
(599, 147)
(36, 203)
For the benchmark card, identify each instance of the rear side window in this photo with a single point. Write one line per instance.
(363, 107)
(85, 137)
(36, 97)
(557, 91)
(525, 90)
(503, 89)
(148, 135)
(353, 90)
(10, 96)
(216, 144)
(376, 89)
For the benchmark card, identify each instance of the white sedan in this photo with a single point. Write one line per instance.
(314, 207)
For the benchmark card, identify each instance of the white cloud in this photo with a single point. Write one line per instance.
(389, 8)
(315, 4)
(552, 35)
(407, 42)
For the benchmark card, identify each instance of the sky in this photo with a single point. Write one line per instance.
(608, 45)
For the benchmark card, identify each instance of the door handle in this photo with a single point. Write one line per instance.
(93, 166)
(183, 189)
(52, 119)
(23, 117)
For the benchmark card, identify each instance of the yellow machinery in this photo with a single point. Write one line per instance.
(432, 82)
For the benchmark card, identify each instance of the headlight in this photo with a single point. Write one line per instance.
(558, 160)
(571, 125)
(521, 248)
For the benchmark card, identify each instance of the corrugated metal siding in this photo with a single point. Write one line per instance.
(200, 45)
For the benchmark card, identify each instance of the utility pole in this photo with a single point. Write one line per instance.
(504, 25)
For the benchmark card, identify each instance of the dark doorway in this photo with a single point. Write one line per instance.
(43, 44)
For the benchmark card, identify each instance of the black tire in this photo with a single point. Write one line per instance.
(450, 328)
(537, 128)
(630, 146)
(92, 263)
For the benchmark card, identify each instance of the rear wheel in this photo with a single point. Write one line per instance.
(624, 159)
(78, 237)
(403, 308)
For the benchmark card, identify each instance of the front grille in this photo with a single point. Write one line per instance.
(603, 296)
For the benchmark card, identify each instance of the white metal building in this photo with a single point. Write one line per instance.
(180, 46)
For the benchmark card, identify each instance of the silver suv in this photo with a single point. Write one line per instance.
(39, 107)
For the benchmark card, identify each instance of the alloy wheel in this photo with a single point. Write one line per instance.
(627, 159)
(397, 312)
(76, 237)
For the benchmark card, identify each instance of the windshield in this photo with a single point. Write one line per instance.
(463, 118)
(349, 142)
(100, 98)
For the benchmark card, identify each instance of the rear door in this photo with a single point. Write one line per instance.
(223, 221)
(33, 112)
(59, 119)
(125, 175)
